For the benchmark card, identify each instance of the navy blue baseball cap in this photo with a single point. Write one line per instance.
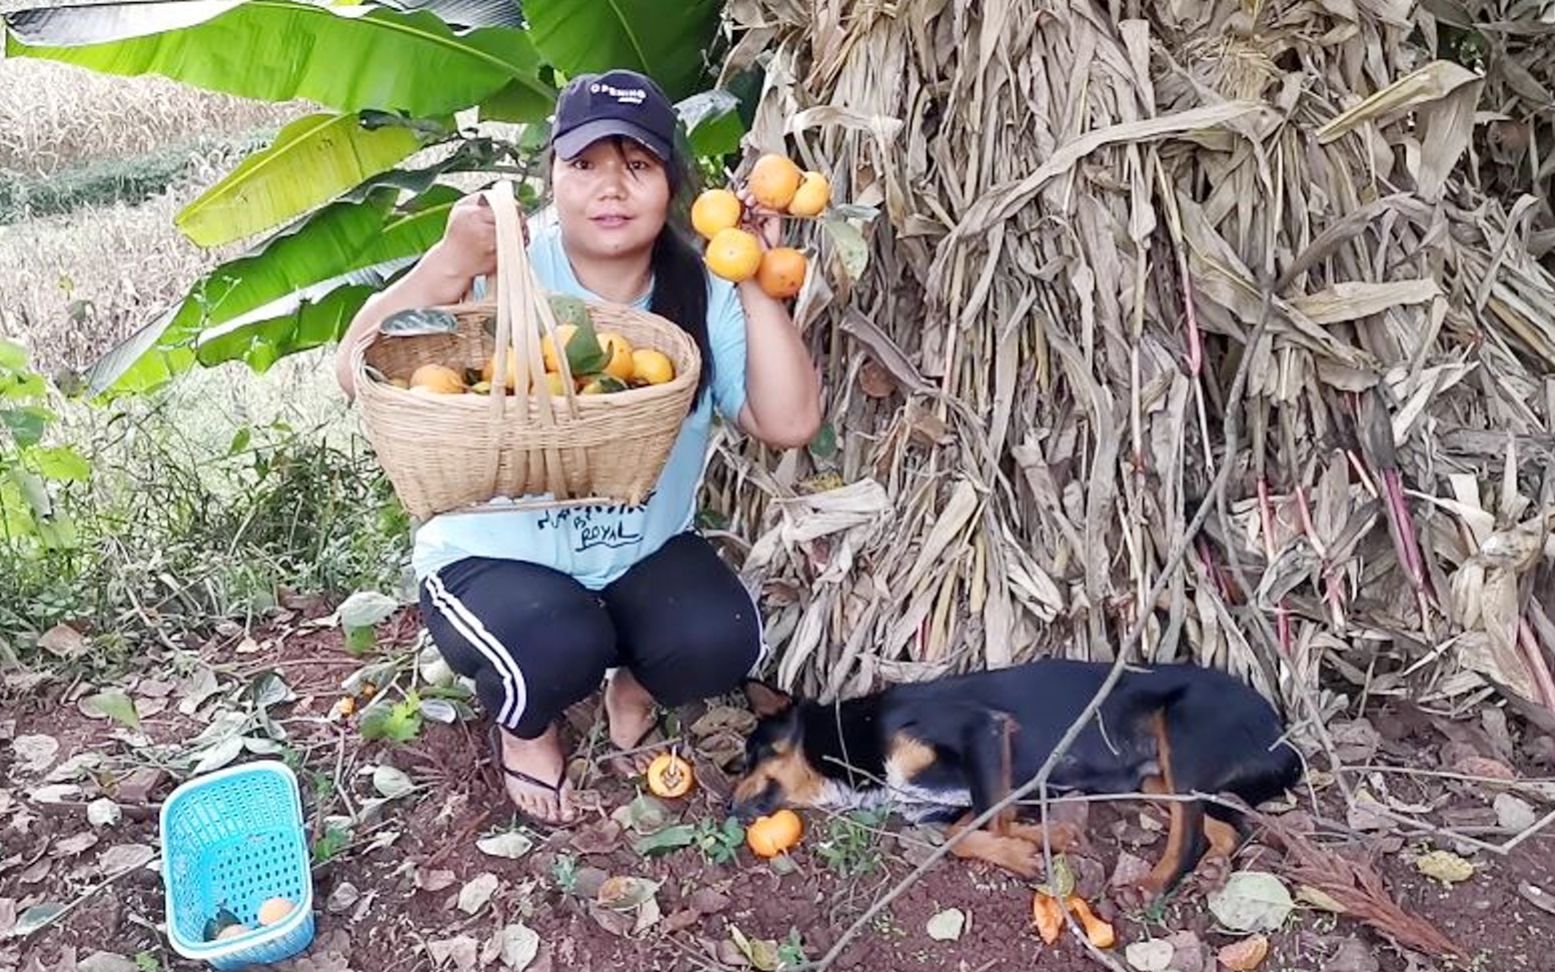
(620, 102)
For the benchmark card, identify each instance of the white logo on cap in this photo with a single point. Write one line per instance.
(626, 96)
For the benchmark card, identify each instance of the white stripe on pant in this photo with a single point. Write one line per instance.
(472, 630)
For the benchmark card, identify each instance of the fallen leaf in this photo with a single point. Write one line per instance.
(1355, 741)
(34, 753)
(1486, 767)
(75, 844)
(1537, 896)
(462, 950)
(600, 837)
(154, 688)
(391, 783)
(63, 641)
(433, 880)
(1366, 813)
(680, 921)
(648, 915)
(644, 815)
(761, 953)
(516, 945)
(1154, 955)
(112, 704)
(1245, 955)
(37, 872)
(1514, 813)
(106, 962)
(1353, 955)
(75, 768)
(219, 755)
(1129, 870)
(35, 918)
(946, 926)
(706, 901)
(7, 916)
(195, 689)
(1251, 901)
(342, 898)
(124, 857)
(729, 954)
(511, 845)
(625, 893)
(138, 786)
(721, 718)
(103, 812)
(1319, 899)
(618, 923)
(1191, 955)
(1444, 866)
(917, 843)
(587, 881)
(476, 892)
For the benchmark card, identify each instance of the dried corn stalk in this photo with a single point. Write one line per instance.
(1078, 203)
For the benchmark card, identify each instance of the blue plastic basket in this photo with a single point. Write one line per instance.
(233, 839)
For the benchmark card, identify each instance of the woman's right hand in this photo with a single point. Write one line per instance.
(470, 237)
(469, 243)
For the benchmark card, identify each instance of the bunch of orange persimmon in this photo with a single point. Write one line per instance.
(778, 186)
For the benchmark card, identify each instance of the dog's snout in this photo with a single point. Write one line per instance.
(750, 800)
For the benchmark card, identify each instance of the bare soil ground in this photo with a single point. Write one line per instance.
(400, 896)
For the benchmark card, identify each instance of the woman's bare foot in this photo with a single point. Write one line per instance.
(533, 776)
(629, 710)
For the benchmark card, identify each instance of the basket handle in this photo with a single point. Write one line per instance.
(521, 305)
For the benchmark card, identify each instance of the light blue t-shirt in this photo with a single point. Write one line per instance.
(597, 544)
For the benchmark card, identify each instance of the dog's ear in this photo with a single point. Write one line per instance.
(766, 700)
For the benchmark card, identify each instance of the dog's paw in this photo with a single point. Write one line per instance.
(1135, 895)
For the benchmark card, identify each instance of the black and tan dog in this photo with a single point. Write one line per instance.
(947, 750)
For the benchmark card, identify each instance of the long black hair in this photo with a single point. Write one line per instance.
(679, 277)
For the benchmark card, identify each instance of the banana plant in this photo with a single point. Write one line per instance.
(333, 212)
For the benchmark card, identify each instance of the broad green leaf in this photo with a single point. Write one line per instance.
(712, 121)
(665, 41)
(342, 57)
(26, 424)
(311, 161)
(518, 101)
(60, 463)
(304, 283)
(12, 355)
(17, 386)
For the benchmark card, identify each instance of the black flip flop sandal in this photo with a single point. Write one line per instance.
(521, 776)
(618, 755)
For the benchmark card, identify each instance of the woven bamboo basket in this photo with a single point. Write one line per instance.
(457, 452)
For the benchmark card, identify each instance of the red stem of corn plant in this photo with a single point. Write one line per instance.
(1281, 611)
(1544, 683)
(1404, 542)
(1195, 341)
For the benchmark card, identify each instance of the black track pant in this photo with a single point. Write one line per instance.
(535, 640)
